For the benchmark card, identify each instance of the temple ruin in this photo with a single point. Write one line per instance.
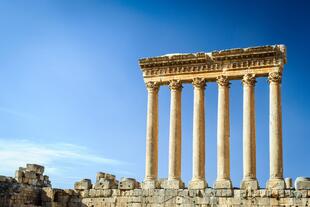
(221, 67)
(31, 188)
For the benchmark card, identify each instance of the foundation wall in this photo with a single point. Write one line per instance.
(108, 192)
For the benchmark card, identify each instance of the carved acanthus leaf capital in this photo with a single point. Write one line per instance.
(152, 86)
(223, 81)
(275, 77)
(249, 79)
(199, 83)
(175, 85)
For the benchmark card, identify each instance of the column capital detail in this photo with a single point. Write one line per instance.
(175, 85)
(223, 81)
(249, 79)
(275, 77)
(199, 83)
(151, 85)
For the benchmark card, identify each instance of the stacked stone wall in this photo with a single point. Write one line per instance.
(109, 192)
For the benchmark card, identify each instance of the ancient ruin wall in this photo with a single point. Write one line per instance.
(108, 192)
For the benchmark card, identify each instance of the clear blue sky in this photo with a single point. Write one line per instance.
(72, 95)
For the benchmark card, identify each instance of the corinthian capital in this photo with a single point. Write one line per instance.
(175, 85)
(153, 86)
(249, 79)
(275, 77)
(223, 81)
(199, 83)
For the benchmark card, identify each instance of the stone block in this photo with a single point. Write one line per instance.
(3, 178)
(223, 184)
(35, 168)
(209, 192)
(250, 184)
(278, 184)
(106, 176)
(172, 184)
(150, 184)
(103, 183)
(84, 193)
(19, 175)
(302, 183)
(84, 184)
(227, 192)
(128, 184)
(92, 193)
(198, 184)
(288, 183)
(30, 175)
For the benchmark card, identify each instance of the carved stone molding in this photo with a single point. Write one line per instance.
(223, 81)
(152, 86)
(241, 59)
(199, 83)
(275, 77)
(249, 79)
(175, 85)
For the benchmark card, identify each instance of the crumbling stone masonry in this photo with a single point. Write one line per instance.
(31, 187)
(108, 192)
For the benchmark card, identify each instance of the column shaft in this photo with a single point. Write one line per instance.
(275, 133)
(151, 164)
(174, 174)
(249, 134)
(223, 133)
(198, 179)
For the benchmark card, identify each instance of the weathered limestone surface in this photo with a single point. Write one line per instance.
(223, 135)
(302, 183)
(244, 64)
(198, 180)
(129, 193)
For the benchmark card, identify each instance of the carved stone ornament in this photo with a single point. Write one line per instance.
(199, 83)
(175, 85)
(275, 77)
(249, 79)
(151, 85)
(223, 81)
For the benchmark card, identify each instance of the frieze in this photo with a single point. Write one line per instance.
(225, 60)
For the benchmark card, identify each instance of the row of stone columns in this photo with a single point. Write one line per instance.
(223, 180)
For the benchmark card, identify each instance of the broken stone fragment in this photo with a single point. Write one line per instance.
(30, 175)
(35, 168)
(5, 179)
(288, 183)
(128, 184)
(84, 184)
(302, 183)
(19, 176)
(103, 184)
(106, 176)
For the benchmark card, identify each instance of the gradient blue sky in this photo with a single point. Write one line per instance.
(73, 98)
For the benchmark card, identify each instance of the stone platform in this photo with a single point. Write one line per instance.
(109, 192)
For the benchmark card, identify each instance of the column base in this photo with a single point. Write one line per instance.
(223, 184)
(150, 184)
(276, 184)
(249, 184)
(198, 184)
(172, 184)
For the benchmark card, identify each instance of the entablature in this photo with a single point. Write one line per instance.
(233, 63)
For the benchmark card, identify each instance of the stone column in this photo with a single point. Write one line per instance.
(198, 180)
(151, 164)
(249, 133)
(276, 180)
(223, 163)
(174, 176)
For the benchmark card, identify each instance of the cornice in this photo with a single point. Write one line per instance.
(223, 60)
